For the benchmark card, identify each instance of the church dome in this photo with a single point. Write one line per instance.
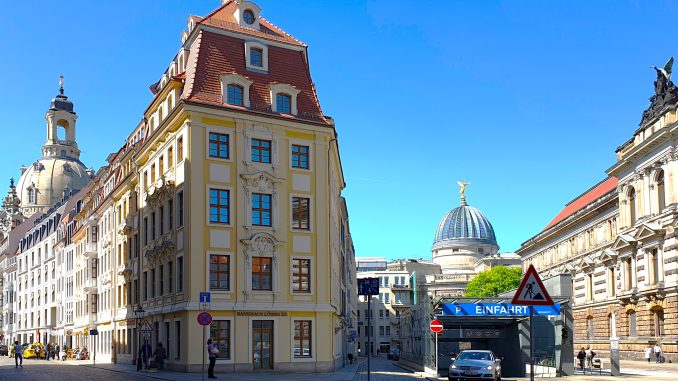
(48, 180)
(464, 225)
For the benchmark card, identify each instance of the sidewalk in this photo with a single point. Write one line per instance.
(347, 373)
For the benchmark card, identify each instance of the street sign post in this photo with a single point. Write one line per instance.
(437, 328)
(368, 287)
(532, 292)
(94, 332)
(204, 319)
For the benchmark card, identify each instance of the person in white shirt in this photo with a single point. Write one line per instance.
(648, 353)
(658, 352)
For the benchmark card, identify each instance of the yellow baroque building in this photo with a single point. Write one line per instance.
(231, 184)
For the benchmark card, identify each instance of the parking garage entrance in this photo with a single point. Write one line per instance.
(495, 324)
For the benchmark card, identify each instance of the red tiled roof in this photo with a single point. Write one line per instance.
(214, 55)
(223, 18)
(585, 199)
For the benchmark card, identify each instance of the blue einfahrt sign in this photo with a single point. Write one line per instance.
(497, 309)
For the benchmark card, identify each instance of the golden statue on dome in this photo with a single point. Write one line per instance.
(462, 190)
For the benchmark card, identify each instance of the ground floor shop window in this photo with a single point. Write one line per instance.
(302, 338)
(220, 332)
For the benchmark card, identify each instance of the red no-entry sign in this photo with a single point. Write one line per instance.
(436, 326)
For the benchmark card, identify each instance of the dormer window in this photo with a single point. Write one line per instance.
(256, 56)
(284, 98)
(236, 89)
(247, 14)
(248, 17)
(234, 96)
(283, 103)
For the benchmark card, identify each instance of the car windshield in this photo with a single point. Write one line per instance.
(466, 355)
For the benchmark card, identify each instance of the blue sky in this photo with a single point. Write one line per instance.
(526, 100)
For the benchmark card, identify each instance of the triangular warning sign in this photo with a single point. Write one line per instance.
(531, 291)
(146, 327)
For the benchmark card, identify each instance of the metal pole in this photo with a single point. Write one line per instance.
(436, 333)
(203, 353)
(531, 345)
(95, 350)
(139, 345)
(369, 336)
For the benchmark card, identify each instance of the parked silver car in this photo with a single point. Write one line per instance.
(475, 365)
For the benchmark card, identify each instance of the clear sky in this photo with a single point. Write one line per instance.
(527, 100)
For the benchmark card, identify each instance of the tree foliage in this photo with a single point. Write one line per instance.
(495, 281)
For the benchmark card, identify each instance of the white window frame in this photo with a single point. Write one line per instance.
(311, 275)
(264, 56)
(313, 339)
(236, 79)
(311, 210)
(301, 142)
(231, 339)
(209, 186)
(240, 11)
(274, 148)
(224, 131)
(230, 275)
(277, 88)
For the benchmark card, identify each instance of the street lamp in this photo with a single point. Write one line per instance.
(139, 312)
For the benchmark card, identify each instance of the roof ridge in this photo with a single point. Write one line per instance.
(588, 190)
(280, 30)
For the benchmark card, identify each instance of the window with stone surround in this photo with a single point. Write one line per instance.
(633, 324)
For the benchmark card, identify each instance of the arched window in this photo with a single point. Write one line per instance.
(631, 198)
(661, 191)
(658, 322)
(31, 195)
(234, 95)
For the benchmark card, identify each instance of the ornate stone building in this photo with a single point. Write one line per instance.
(618, 240)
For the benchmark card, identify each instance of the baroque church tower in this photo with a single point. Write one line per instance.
(59, 171)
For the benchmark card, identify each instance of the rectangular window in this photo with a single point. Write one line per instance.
(145, 231)
(177, 333)
(220, 272)
(262, 276)
(261, 209)
(145, 285)
(180, 209)
(220, 332)
(162, 279)
(256, 57)
(161, 165)
(162, 220)
(302, 338)
(283, 103)
(152, 283)
(170, 276)
(219, 206)
(170, 215)
(153, 226)
(219, 145)
(301, 214)
(180, 149)
(299, 156)
(381, 330)
(261, 151)
(301, 275)
(170, 157)
(234, 95)
(180, 274)
(153, 173)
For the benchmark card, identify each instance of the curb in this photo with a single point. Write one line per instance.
(143, 374)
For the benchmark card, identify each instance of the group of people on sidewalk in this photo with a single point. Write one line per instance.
(159, 355)
(657, 350)
(585, 357)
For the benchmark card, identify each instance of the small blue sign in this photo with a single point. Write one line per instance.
(93, 332)
(205, 297)
(368, 286)
(497, 309)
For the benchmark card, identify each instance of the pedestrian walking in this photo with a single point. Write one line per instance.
(658, 352)
(590, 354)
(48, 353)
(212, 352)
(160, 356)
(18, 355)
(581, 356)
(146, 352)
(648, 353)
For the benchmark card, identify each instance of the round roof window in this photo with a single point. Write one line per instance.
(248, 16)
